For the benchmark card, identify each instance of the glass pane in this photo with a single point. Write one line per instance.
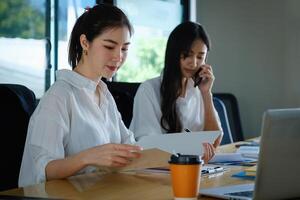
(22, 47)
(153, 20)
(69, 11)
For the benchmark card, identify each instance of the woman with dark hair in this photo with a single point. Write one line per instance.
(76, 127)
(181, 98)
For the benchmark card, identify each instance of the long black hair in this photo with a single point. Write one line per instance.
(92, 23)
(179, 43)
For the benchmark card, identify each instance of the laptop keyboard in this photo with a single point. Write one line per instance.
(243, 194)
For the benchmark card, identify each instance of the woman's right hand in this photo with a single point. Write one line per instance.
(209, 152)
(110, 155)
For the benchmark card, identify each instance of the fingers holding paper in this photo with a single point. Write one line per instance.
(209, 152)
(111, 155)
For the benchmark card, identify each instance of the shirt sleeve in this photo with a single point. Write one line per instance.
(146, 113)
(47, 133)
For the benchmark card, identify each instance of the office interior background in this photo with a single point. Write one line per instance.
(255, 46)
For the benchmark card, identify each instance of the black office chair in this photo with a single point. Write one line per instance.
(123, 94)
(17, 103)
(233, 114)
(221, 109)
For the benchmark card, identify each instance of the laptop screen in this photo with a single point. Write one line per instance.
(278, 174)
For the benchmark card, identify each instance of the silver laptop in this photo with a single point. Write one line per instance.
(278, 170)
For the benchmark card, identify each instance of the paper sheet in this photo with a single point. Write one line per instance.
(248, 151)
(229, 157)
(184, 143)
(149, 158)
(158, 149)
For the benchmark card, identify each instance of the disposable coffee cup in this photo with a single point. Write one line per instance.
(185, 175)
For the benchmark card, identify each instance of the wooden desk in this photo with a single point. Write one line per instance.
(130, 185)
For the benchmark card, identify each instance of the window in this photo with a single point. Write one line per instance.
(153, 20)
(22, 44)
(69, 11)
(25, 25)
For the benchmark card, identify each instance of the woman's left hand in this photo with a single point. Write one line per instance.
(207, 78)
(209, 152)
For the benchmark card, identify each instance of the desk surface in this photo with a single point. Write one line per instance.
(130, 185)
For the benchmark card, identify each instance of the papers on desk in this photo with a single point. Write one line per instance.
(184, 143)
(158, 148)
(251, 171)
(205, 170)
(248, 151)
(248, 173)
(149, 158)
(243, 175)
(231, 159)
(244, 155)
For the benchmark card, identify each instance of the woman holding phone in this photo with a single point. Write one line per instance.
(181, 98)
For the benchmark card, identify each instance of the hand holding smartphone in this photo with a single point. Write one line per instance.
(197, 79)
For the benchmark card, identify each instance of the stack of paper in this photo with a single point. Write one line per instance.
(230, 158)
(248, 151)
(157, 149)
(251, 171)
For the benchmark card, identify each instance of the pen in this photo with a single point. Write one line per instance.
(212, 170)
(219, 169)
(187, 130)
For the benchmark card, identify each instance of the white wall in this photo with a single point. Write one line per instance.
(255, 54)
(292, 62)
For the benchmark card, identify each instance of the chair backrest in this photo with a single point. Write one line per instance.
(17, 103)
(221, 109)
(123, 94)
(233, 114)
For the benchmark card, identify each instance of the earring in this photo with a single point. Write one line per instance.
(85, 52)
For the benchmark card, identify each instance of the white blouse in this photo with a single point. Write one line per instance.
(68, 120)
(147, 109)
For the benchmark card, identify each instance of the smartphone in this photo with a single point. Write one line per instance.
(197, 79)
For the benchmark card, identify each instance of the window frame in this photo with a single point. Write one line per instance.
(52, 34)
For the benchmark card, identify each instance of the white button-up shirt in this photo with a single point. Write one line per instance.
(147, 109)
(69, 120)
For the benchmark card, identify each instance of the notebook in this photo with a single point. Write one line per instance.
(278, 174)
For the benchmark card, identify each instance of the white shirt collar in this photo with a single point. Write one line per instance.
(76, 79)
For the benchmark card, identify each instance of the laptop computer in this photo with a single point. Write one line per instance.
(278, 172)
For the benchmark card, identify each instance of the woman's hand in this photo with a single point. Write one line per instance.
(209, 152)
(207, 78)
(110, 155)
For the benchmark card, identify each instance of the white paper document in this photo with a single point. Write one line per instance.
(249, 151)
(184, 143)
(227, 157)
(230, 157)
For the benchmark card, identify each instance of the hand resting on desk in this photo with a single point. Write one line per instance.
(109, 155)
